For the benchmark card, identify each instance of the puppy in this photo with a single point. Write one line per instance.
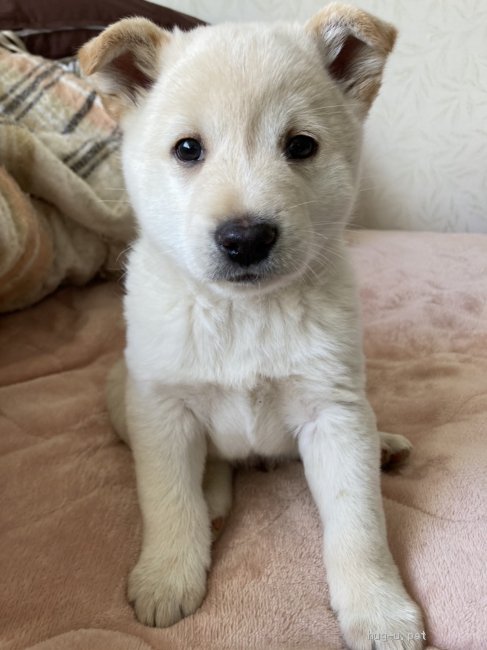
(241, 156)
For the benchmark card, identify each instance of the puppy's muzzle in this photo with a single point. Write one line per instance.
(245, 241)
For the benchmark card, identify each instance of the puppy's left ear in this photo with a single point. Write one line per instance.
(123, 62)
(355, 46)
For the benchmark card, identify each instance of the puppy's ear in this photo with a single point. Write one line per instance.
(355, 46)
(123, 62)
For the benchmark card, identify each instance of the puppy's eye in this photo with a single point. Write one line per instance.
(299, 147)
(189, 150)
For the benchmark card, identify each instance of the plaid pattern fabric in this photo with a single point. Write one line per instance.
(64, 213)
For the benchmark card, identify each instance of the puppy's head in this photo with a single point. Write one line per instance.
(242, 142)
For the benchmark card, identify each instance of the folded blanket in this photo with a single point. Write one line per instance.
(64, 215)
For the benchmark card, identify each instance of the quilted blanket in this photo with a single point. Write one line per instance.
(64, 216)
(69, 521)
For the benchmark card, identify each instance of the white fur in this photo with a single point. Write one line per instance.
(230, 371)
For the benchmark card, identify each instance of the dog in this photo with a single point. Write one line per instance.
(241, 153)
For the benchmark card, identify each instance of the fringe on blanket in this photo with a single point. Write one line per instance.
(64, 214)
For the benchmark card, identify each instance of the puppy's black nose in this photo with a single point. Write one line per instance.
(245, 242)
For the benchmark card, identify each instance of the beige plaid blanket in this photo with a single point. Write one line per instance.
(64, 215)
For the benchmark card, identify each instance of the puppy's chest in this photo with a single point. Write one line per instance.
(242, 423)
(239, 347)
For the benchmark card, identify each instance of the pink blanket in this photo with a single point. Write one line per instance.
(70, 526)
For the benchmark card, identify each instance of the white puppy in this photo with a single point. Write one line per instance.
(241, 155)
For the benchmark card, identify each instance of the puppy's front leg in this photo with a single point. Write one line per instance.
(169, 447)
(340, 452)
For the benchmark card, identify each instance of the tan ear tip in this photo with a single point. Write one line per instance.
(378, 33)
(130, 30)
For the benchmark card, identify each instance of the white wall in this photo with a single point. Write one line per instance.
(425, 163)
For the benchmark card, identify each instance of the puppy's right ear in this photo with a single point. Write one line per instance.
(123, 62)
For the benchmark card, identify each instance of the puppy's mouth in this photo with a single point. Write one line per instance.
(245, 278)
(241, 276)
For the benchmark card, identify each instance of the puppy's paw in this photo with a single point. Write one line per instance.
(395, 449)
(163, 592)
(387, 625)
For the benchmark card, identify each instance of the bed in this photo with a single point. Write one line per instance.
(70, 526)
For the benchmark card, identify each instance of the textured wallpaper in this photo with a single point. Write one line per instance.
(425, 157)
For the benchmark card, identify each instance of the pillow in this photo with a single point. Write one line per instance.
(57, 28)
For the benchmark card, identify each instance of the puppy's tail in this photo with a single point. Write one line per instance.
(116, 382)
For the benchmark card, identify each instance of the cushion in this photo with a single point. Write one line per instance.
(57, 28)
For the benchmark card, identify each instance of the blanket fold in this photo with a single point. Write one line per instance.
(64, 213)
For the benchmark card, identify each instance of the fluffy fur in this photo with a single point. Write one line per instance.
(220, 370)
